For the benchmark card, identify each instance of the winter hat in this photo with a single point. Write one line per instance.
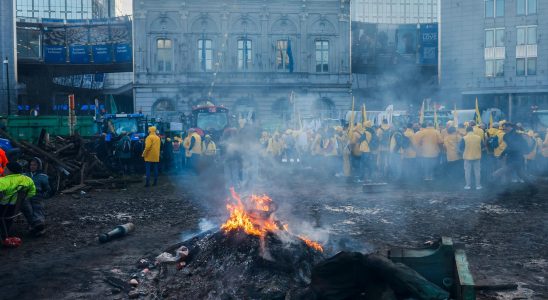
(38, 161)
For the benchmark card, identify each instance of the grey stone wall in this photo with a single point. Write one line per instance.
(262, 86)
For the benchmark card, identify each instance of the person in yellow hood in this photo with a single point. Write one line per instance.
(193, 149)
(429, 142)
(151, 154)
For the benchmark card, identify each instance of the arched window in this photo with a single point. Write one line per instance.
(164, 55)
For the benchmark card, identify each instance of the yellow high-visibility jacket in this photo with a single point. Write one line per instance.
(10, 185)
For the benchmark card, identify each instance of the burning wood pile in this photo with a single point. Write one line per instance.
(256, 256)
(253, 256)
(69, 161)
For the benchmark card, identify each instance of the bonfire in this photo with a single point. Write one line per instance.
(255, 216)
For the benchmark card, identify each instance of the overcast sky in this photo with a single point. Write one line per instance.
(123, 7)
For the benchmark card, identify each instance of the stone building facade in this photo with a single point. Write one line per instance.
(246, 55)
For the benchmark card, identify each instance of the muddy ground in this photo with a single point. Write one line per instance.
(505, 233)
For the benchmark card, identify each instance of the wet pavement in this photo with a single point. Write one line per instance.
(505, 234)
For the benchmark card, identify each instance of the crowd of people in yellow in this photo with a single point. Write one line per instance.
(474, 152)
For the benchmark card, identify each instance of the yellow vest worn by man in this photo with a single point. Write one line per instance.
(472, 146)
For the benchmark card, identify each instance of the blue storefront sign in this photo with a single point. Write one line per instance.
(79, 54)
(122, 53)
(428, 44)
(102, 54)
(55, 54)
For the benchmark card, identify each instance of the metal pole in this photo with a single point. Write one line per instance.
(8, 85)
(510, 107)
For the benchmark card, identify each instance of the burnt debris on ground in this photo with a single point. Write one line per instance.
(236, 265)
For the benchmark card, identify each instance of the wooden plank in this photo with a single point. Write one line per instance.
(74, 189)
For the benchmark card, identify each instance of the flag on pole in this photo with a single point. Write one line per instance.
(289, 56)
(435, 117)
(490, 120)
(112, 104)
(478, 115)
(351, 125)
(456, 117)
(364, 115)
(421, 113)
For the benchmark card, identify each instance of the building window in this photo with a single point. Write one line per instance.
(205, 55)
(526, 7)
(244, 54)
(164, 55)
(495, 52)
(494, 8)
(282, 59)
(526, 51)
(322, 56)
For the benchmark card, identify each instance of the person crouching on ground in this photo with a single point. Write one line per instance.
(33, 207)
(151, 155)
(10, 185)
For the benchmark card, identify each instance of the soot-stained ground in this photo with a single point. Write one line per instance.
(505, 233)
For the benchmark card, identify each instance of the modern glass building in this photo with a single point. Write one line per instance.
(65, 9)
(395, 11)
(495, 51)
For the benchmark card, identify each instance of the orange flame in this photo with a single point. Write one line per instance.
(253, 222)
(256, 218)
(311, 244)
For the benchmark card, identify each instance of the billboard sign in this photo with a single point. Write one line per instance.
(55, 54)
(122, 53)
(79, 54)
(102, 54)
(428, 54)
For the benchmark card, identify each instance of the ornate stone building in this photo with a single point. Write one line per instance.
(246, 55)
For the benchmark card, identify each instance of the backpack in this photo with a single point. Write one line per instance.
(374, 143)
(126, 146)
(405, 141)
(493, 142)
(385, 137)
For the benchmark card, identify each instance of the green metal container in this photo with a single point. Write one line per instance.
(28, 128)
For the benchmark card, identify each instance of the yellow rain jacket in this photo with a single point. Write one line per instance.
(10, 185)
(364, 145)
(429, 140)
(197, 148)
(479, 132)
(152, 146)
(410, 151)
(451, 144)
(472, 146)
(210, 149)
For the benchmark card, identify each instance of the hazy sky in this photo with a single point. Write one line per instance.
(124, 7)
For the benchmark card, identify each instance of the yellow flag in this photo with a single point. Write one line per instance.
(351, 125)
(490, 120)
(456, 117)
(364, 115)
(478, 115)
(421, 113)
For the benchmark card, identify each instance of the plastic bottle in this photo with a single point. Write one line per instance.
(119, 231)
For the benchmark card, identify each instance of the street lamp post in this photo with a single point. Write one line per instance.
(8, 84)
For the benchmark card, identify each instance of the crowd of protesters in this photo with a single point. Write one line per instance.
(475, 154)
